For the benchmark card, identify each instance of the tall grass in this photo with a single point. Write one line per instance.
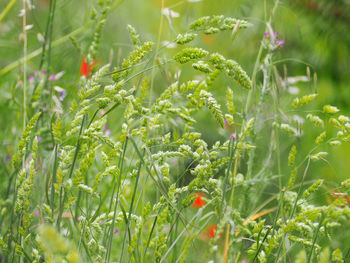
(121, 172)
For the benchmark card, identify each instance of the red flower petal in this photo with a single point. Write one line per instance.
(212, 230)
(84, 68)
(198, 202)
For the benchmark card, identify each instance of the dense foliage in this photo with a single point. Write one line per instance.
(169, 150)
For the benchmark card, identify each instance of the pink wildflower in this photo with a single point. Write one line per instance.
(280, 43)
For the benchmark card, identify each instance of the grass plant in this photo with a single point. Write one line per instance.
(116, 168)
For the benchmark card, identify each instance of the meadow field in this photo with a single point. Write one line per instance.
(174, 131)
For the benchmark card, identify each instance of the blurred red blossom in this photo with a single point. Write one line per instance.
(212, 230)
(198, 202)
(85, 68)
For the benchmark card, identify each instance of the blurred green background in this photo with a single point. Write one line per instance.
(316, 34)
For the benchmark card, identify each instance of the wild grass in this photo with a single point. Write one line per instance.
(119, 170)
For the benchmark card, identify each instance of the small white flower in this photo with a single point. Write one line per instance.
(28, 27)
(169, 44)
(298, 119)
(22, 12)
(170, 13)
(59, 75)
(59, 89)
(40, 38)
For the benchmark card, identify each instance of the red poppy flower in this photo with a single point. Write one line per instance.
(198, 202)
(85, 68)
(209, 233)
(212, 230)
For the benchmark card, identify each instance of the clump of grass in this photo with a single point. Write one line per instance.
(148, 190)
